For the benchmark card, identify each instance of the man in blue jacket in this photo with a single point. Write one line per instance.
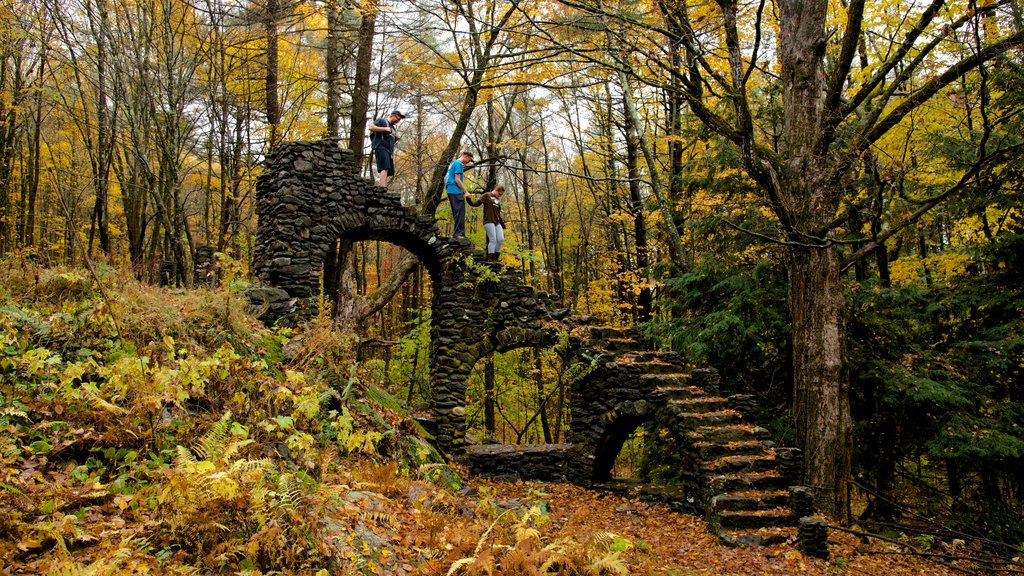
(455, 187)
(382, 142)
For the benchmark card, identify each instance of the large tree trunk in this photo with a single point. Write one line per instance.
(809, 200)
(332, 62)
(821, 399)
(361, 83)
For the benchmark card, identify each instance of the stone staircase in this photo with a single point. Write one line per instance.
(739, 475)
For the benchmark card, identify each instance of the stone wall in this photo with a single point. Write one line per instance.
(479, 308)
(310, 196)
(518, 462)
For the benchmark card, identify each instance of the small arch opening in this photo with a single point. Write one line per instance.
(652, 454)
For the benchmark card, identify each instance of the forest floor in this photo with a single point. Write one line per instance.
(673, 543)
(147, 431)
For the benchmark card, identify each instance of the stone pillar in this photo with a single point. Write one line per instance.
(812, 537)
(801, 501)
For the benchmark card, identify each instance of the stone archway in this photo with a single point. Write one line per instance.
(626, 418)
(310, 196)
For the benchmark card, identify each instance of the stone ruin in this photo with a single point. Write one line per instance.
(310, 197)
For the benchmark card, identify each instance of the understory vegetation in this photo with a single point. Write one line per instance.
(165, 432)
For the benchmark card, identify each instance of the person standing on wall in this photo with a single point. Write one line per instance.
(494, 225)
(382, 143)
(455, 189)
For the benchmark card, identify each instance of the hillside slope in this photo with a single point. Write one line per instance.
(151, 431)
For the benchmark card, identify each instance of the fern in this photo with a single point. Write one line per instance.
(608, 564)
(469, 560)
(213, 445)
(106, 566)
(377, 517)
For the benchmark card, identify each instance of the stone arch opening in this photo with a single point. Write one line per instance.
(358, 265)
(652, 454)
(520, 390)
(629, 417)
(611, 442)
(424, 252)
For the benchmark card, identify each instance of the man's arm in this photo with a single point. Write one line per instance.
(375, 127)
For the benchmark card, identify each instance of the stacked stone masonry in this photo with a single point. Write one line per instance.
(310, 197)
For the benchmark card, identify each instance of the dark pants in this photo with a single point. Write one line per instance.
(384, 160)
(458, 202)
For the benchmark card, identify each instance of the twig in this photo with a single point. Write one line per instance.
(944, 559)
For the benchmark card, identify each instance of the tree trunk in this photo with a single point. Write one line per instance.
(553, 251)
(542, 400)
(273, 102)
(101, 159)
(629, 108)
(9, 109)
(821, 401)
(361, 83)
(644, 302)
(332, 62)
(489, 398)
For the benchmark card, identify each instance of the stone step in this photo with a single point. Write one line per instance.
(604, 332)
(665, 389)
(641, 356)
(711, 450)
(729, 433)
(742, 463)
(744, 481)
(757, 537)
(617, 345)
(654, 372)
(699, 403)
(750, 500)
(747, 519)
(663, 374)
(701, 420)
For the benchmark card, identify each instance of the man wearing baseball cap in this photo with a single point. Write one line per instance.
(382, 143)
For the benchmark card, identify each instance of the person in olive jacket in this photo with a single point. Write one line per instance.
(493, 223)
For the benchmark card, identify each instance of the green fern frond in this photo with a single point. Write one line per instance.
(261, 508)
(233, 448)
(213, 444)
(382, 398)
(248, 469)
(290, 498)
